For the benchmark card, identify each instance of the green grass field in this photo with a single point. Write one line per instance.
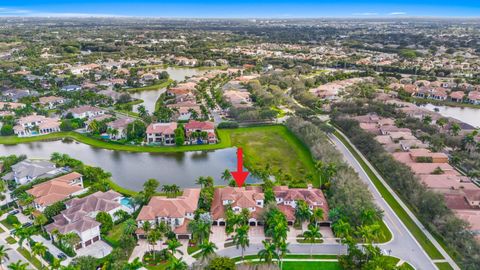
(427, 245)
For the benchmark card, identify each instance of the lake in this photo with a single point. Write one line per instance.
(130, 170)
(150, 97)
(465, 114)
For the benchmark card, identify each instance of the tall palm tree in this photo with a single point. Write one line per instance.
(201, 181)
(226, 176)
(240, 239)
(3, 255)
(72, 239)
(317, 215)
(176, 264)
(341, 228)
(173, 245)
(41, 220)
(282, 251)
(302, 212)
(268, 253)
(146, 227)
(207, 248)
(175, 189)
(39, 249)
(311, 235)
(152, 238)
(18, 265)
(129, 226)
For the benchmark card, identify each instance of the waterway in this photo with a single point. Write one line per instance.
(150, 97)
(130, 170)
(467, 115)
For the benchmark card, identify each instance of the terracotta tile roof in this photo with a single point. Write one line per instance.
(160, 206)
(456, 201)
(163, 128)
(312, 196)
(193, 124)
(244, 197)
(56, 189)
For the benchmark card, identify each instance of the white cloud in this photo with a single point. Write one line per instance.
(11, 11)
(397, 13)
(365, 14)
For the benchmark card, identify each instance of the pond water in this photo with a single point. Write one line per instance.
(131, 170)
(465, 114)
(150, 97)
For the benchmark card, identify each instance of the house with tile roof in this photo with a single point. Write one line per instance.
(238, 198)
(175, 212)
(161, 133)
(34, 125)
(194, 130)
(80, 213)
(287, 199)
(57, 189)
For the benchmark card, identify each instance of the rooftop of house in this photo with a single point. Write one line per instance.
(120, 123)
(163, 128)
(84, 109)
(56, 189)
(32, 169)
(200, 125)
(446, 182)
(242, 197)
(161, 206)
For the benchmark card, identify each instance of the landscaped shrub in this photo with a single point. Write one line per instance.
(12, 220)
(225, 125)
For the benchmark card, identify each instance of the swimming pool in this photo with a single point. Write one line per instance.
(127, 202)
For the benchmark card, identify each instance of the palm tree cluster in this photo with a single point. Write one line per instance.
(276, 227)
(171, 190)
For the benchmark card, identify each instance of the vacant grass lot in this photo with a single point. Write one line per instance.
(276, 146)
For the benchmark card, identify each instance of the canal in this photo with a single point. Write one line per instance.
(130, 170)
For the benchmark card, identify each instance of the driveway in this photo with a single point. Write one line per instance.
(218, 236)
(98, 250)
(256, 234)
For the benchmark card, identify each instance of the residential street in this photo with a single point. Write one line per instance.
(403, 244)
(294, 248)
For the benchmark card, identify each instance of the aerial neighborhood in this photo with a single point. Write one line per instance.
(130, 143)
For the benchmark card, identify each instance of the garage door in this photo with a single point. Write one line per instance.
(88, 243)
(96, 238)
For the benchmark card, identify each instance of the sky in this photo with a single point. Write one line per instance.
(242, 8)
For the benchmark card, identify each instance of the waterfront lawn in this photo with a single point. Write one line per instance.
(305, 265)
(276, 146)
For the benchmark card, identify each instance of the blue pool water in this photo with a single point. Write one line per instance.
(126, 202)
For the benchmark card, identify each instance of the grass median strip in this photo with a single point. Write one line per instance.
(427, 245)
(34, 261)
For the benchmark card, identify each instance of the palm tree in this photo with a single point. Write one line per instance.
(175, 189)
(152, 238)
(146, 226)
(302, 212)
(317, 215)
(23, 234)
(41, 220)
(268, 253)
(72, 239)
(240, 239)
(311, 235)
(18, 265)
(226, 176)
(201, 181)
(207, 248)
(283, 251)
(129, 226)
(39, 249)
(173, 245)
(134, 265)
(176, 264)
(342, 229)
(55, 264)
(167, 189)
(3, 255)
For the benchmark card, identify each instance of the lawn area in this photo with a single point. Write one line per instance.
(157, 267)
(311, 266)
(427, 245)
(113, 237)
(274, 145)
(444, 266)
(10, 240)
(6, 224)
(30, 258)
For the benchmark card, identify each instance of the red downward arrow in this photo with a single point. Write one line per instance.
(239, 175)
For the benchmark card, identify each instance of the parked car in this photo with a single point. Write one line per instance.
(27, 224)
(62, 256)
(14, 212)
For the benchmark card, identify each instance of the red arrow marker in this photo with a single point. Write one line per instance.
(239, 175)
